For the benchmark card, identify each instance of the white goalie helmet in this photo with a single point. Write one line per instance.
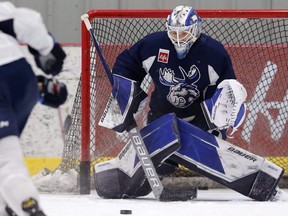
(183, 28)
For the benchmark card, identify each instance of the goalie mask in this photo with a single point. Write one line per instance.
(183, 28)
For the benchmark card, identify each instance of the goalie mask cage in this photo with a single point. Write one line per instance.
(257, 43)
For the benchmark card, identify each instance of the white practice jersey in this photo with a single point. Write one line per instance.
(21, 25)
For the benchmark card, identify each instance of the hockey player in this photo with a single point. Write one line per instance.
(20, 89)
(186, 67)
(193, 78)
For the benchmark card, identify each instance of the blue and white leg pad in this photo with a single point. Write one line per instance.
(123, 176)
(225, 163)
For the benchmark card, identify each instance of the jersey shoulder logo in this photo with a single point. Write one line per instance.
(163, 56)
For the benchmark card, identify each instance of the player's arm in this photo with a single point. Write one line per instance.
(28, 27)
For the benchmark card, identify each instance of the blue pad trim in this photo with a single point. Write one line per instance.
(199, 146)
(161, 136)
(160, 133)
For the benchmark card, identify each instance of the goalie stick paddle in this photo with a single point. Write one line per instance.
(160, 192)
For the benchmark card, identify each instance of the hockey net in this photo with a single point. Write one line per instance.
(257, 44)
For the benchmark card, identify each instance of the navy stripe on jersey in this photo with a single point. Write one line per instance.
(7, 27)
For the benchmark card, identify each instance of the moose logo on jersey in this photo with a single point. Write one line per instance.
(183, 91)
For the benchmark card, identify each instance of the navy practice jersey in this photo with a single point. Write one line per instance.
(180, 84)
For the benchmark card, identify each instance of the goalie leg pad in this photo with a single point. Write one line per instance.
(108, 182)
(226, 163)
(113, 183)
(266, 181)
(123, 176)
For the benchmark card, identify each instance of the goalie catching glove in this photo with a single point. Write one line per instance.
(226, 108)
(52, 92)
(52, 63)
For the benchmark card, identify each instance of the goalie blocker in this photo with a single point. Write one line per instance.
(202, 152)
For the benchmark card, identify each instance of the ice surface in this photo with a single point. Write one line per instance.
(212, 202)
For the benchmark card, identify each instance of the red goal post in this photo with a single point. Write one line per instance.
(257, 43)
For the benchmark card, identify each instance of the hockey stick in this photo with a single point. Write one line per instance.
(64, 124)
(161, 193)
(61, 124)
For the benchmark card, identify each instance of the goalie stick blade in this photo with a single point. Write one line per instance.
(178, 194)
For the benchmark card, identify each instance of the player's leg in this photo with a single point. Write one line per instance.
(18, 95)
(225, 163)
(123, 176)
(20, 90)
(113, 183)
(16, 186)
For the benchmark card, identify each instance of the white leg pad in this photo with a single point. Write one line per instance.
(16, 185)
(2, 207)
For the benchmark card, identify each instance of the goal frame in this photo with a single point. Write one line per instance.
(85, 61)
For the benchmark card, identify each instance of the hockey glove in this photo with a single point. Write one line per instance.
(52, 92)
(51, 63)
(226, 108)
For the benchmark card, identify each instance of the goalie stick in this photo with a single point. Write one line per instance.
(160, 192)
(61, 124)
